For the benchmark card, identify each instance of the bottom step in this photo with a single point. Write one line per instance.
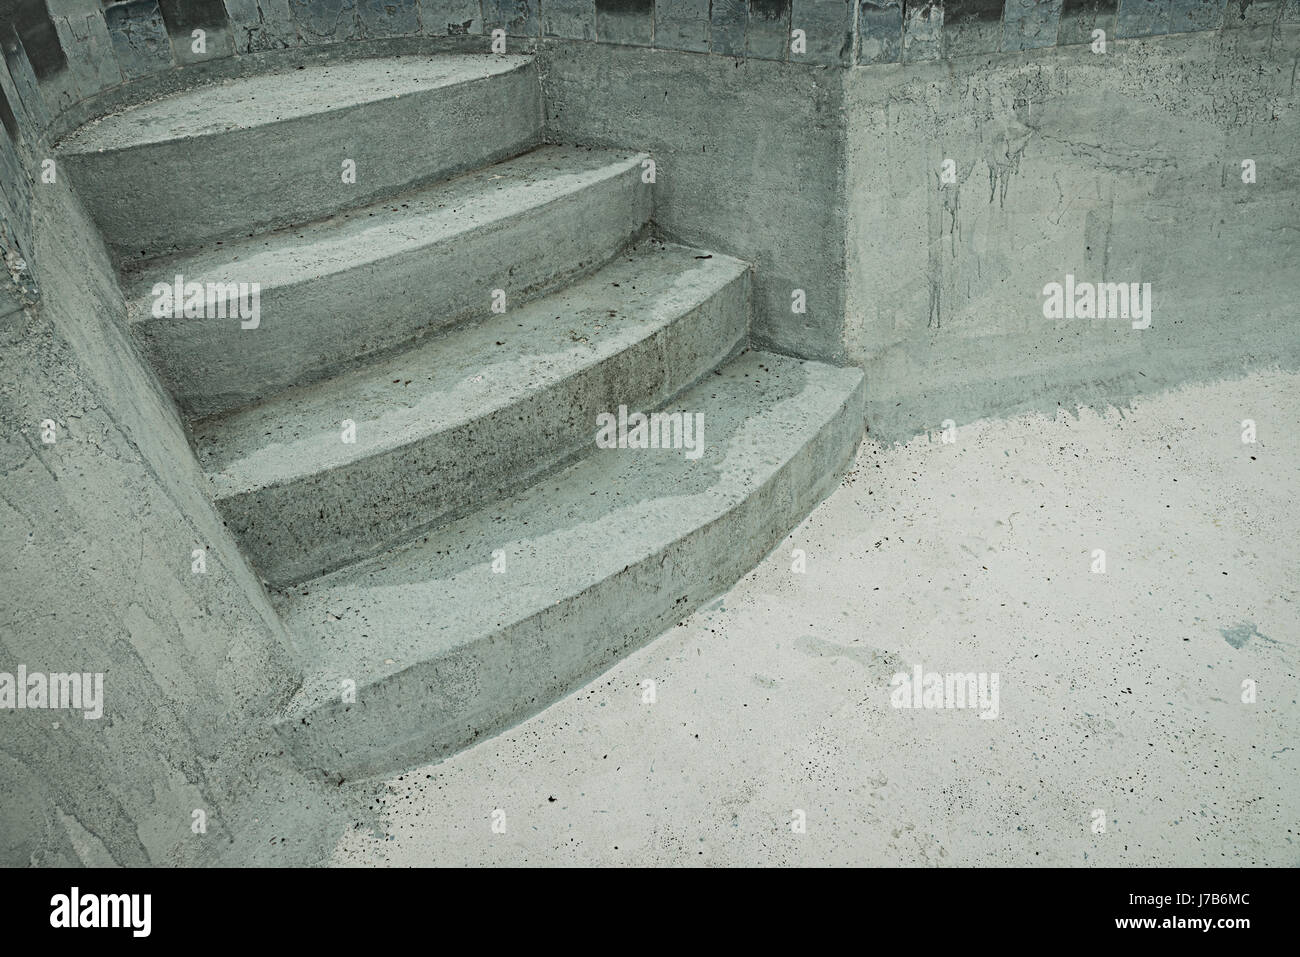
(598, 558)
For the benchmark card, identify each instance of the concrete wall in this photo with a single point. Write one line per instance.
(753, 168)
(100, 525)
(760, 166)
(896, 31)
(1117, 167)
(1122, 167)
(97, 530)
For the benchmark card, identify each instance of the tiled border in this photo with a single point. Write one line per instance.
(77, 47)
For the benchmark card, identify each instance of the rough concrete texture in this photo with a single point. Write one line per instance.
(783, 428)
(467, 418)
(753, 169)
(1123, 167)
(451, 17)
(443, 648)
(825, 180)
(260, 25)
(99, 532)
(83, 47)
(1028, 24)
(25, 97)
(139, 37)
(369, 280)
(1119, 691)
(83, 34)
(828, 26)
(174, 173)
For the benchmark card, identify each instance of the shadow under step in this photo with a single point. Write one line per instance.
(595, 560)
(466, 417)
(368, 281)
(258, 152)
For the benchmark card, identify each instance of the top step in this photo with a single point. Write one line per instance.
(278, 149)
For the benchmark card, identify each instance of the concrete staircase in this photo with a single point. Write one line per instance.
(473, 555)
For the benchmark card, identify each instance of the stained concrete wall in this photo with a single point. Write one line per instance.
(1122, 167)
(896, 31)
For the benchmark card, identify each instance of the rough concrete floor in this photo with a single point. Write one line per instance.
(1118, 691)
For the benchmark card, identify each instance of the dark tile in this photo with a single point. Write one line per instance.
(922, 30)
(1251, 13)
(34, 111)
(35, 27)
(682, 25)
(7, 118)
(728, 19)
(629, 22)
(389, 18)
(880, 31)
(183, 17)
(261, 25)
(85, 40)
(971, 26)
(1142, 18)
(570, 19)
(1080, 17)
(1030, 24)
(767, 36)
(139, 37)
(1189, 16)
(519, 18)
(827, 27)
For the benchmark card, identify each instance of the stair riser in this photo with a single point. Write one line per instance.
(297, 531)
(178, 194)
(313, 329)
(436, 708)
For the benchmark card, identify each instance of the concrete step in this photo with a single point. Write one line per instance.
(598, 558)
(259, 152)
(469, 416)
(368, 280)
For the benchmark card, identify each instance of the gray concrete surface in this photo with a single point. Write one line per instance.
(774, 161)
(443, 648)
(1119, 692)
(465, 419)
(222, 160)
(753, 168)
(780, 429)
(98, 530)
(337, 291)
(1122, 167)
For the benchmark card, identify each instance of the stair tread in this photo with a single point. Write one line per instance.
(606, 512)
(369, 234)
(269, 98)
(460, 375)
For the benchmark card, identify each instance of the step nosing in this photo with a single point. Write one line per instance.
(801, 410)
(528, 198)
(557, 598)
(235, 478)
(70, 147)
